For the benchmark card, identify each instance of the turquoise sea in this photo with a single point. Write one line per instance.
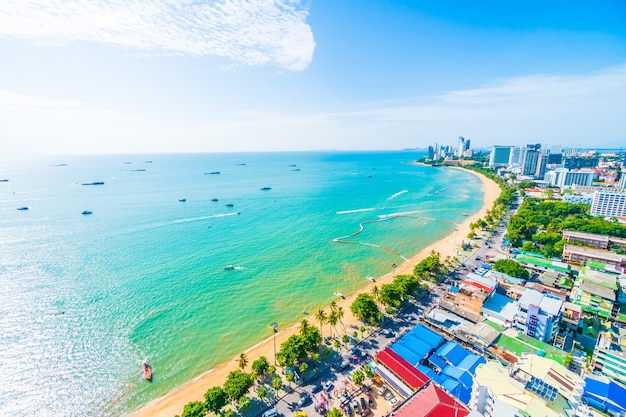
(85, 298)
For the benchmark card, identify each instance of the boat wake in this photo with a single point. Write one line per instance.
(195, 219)
(397, 194)
(356, 211)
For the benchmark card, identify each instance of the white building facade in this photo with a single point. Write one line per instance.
(609, 204)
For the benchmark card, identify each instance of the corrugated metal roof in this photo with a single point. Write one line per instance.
(432, 401)
(404, 370)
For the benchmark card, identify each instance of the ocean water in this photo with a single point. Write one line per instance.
(84, 299)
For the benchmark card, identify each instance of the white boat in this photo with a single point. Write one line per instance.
(340, 295)
(371, 278)
(229, 267)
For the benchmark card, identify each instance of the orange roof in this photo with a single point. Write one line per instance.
(433, 401)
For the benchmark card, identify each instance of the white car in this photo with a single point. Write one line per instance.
(382, 389)
(388, 396)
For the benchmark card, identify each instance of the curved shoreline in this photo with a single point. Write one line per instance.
(173, 402)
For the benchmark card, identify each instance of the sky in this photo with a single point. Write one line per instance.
(179, 76)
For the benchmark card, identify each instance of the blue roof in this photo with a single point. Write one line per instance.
(605, 395)
(437, 361)
(452, 352)
(427, 371)
(471, 362)
(417, 343)
(497, 303)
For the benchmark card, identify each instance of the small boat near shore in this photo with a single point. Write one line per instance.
(147, 370)
(94, 183)
(229, 204)
(229, 267)
(212, 173)
(371, 278)
(214, 199)
(340, 295)
(85, 212)
(22, 208)
(266, 188)
(182, 200)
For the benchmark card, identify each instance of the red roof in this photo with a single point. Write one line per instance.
(478, 285)
(404, 370)
(432, 401)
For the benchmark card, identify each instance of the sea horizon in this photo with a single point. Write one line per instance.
(89, 296)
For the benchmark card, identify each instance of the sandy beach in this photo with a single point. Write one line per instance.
(172, 403)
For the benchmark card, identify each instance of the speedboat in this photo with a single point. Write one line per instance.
(212, 173)
(229, 204)
(266, 188)
(340, 295)
(94, 183)
(182, 200)
(87, 212)
(229, 267)
(147, 370)
(22, 208)
(371, 278)
(214, 199)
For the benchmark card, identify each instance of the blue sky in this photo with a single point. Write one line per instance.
(130, 76)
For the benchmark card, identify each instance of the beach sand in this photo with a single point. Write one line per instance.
(172, 403)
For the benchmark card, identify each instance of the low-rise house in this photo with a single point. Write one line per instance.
(538, 315)
(596, 292)
(580, 255)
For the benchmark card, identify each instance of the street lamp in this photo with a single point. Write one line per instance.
(274, 327)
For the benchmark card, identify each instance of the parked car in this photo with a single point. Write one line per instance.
(328, 386)
(388, 395)
(270, 412)
(305, 398)
(382, 389)
(317, 387)
(355, 404)
(366, 412)
(363, 403)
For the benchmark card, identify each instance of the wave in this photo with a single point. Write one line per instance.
(356, 211)
(397, 194)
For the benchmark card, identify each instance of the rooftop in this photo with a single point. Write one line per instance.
(594, 253)
(432, 401)
(567, 382)
(409, 374)
(584, 235)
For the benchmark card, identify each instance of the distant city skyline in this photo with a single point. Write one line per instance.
(95, 77)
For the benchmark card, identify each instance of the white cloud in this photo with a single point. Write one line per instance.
(248, 32)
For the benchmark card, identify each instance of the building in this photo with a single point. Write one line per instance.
(622, 181)
(463, 146)
(500, 156)
(572, 314)
(588, 239)
(577, 162)
(609, 355)
(538, 315)
(400, 375)
(514, 158)
(535, 386)
(431, 152)
(473, 291)
(529, 164)
(609, 203)
(417, 344)
(596, 292)
(500, 309)
(580, 255)
(563, 177)
(432, 401)
(604, 395)
(542, 164)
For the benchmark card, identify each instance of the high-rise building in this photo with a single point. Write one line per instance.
(542, 163)
(622, 181)
(529, 164)
(431, 152)
(500, 156)
(609, 203)
(514, 158)
(577, 162)
(464, 145)
(563, 177)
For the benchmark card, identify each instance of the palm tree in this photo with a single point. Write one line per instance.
(333, 319)
(362, 329)
(321, 317)
(376, 293)
(340, 313)
(304, 327)
(243, 361)
(333, 306)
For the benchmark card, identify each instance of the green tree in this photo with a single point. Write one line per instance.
(358, 377)
(229, 413)
(215, 399)
(271, 370)
(568, 359)
(243, 403)
(367, 370)
(262, 393)
(345, 339)
(340, 314)
(194, 409)
(529, 246)
(321, 318)
(315, 357)
(375, 293)
(243, 361)
(365, 309)
(391, 295)
(237, 384)
(304, 327)
(277, 383)
(362, 329)
(303, 368)
(337, 344)
(332, 321)
(511, 268)
(260, 366)
(334, 412)
(290, 376)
